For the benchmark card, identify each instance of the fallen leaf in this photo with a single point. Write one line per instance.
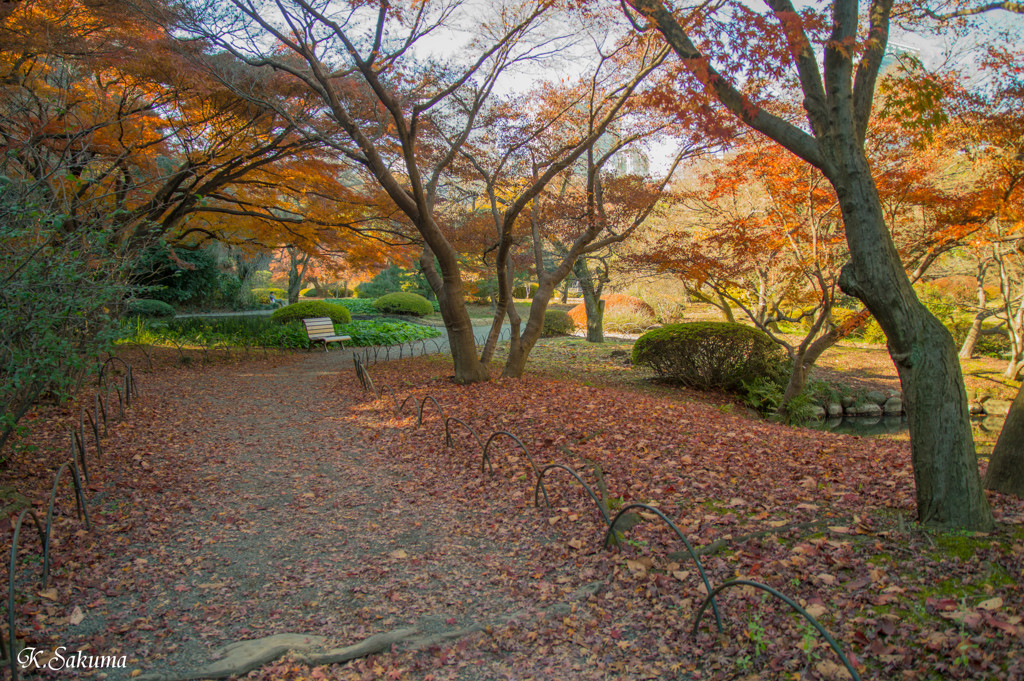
(816, 610)
(991, 604)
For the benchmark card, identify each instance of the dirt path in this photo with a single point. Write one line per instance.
(255, 510)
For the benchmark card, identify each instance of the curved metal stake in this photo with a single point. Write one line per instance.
(101, 411)
(95, 434)
(448, 443)
(80, 453)
(570, 471)
(686, 543)
(83, 512)
(419, 422)
(788, 601)
(526, 451)
(10, 583)
(120, 402)
(415, 402)
(103, 367)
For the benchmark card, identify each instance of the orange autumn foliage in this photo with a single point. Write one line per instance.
(611, 301)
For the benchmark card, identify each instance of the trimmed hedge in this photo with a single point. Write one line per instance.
(710, 355)
(263, 294)
(311, 308)
(149, 308)
(404, 303)
(557, 323)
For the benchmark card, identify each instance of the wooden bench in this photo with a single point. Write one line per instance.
(321, 330)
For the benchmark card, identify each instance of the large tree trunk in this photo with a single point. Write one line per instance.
(592, 302)
(447, 286)
(1006, 466)
(519, 350)
(949, 492)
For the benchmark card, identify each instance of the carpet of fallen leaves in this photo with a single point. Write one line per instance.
(241, 499)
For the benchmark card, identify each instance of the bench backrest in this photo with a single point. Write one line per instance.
(319, 326)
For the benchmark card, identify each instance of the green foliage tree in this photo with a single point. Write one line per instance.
(59, 286)
(395, 279)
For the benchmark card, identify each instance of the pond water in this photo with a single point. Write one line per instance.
(986, 430)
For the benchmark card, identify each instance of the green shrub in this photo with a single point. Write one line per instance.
(557, 323)
(355, 305)
(519, 291)
(311, 308)
(404, 303)
(533, 289)
(311, 293)
(710, 355)
(263, 294)
(149, 308)
(379, 332)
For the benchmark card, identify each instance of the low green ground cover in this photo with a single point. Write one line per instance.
(264, 332)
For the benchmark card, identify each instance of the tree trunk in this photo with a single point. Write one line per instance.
(1006, 466)
(967, 349)
(447, 286)
(725, 307)
(949, 492)
(802, 363)
(592, 302)
(298, 261)
(519, 349)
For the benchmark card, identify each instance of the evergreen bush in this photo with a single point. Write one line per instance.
(404, 303)
(143, 307)
(311, 308)
(710, 355)
(557, 323)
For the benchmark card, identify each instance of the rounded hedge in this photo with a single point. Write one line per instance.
(557, 323)
(404, 303)
(311, 308)
(149, 308)
(710, 355)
